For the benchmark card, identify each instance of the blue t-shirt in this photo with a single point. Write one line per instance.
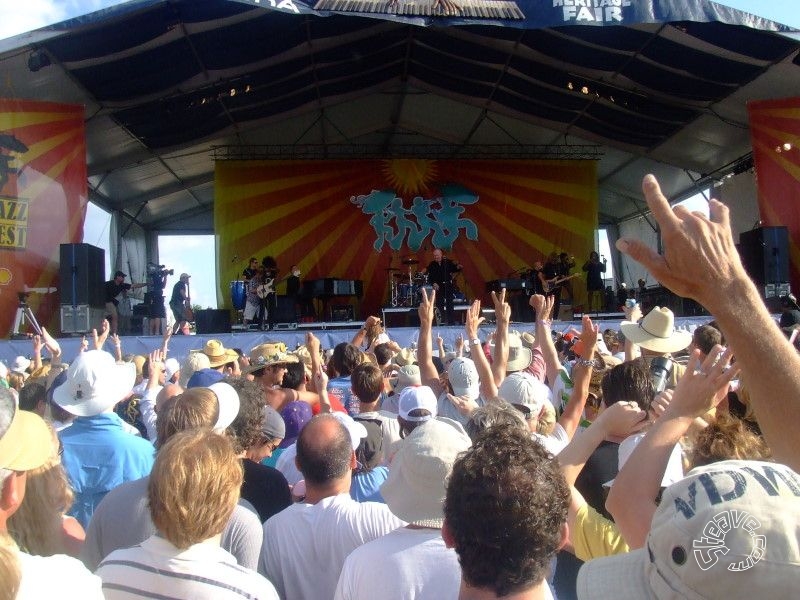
(366, 485)
(98, 456)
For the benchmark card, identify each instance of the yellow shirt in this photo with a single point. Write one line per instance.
(594, 536)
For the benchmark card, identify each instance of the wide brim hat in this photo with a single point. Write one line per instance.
(218, 354)
(727, 530)
(406, 356)
(27, 443)
(415, 488)
(268, 354)
(519, 356)
(95, 383)
(656, 332)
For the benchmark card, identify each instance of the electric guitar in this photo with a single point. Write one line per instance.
(551, 284)
(268, 287)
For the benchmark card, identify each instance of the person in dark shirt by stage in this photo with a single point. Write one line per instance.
(440, 273)
(595, 286)
(114, 292)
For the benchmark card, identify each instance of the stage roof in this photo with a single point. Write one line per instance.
(169, 85)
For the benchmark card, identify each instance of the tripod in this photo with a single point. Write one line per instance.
(24, 313)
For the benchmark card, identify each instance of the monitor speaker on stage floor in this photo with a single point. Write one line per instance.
(212, 321)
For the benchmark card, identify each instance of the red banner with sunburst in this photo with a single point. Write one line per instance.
(378, 220)
(775, 134)
(43, 202)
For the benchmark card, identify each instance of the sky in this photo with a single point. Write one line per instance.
(195, 254)
(22, 16)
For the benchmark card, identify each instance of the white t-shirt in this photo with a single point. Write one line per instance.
(555, 442)
(157, 569)
(305, 545)
(406, 564)
(57, 576)
(286, 465)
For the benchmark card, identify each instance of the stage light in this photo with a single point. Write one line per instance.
(38, 60)
(787, 146)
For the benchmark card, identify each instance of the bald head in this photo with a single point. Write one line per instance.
(167, 392)
(324, 452)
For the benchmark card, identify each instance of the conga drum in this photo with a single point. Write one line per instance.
(238, 294)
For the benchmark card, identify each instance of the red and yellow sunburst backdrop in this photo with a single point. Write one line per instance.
(43, 200)
(775, 134)
(367, 219)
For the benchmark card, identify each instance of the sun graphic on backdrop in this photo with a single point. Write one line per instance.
(410, 175)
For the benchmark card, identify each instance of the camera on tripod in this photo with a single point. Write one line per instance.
(158, 270)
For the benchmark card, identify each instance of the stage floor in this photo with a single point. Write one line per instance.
(330, 334)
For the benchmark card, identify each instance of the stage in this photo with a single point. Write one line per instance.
(329, 333)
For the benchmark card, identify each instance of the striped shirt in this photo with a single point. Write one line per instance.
(157, 569)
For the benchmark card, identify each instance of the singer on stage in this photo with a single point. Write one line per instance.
(594, 280)
(440, 273)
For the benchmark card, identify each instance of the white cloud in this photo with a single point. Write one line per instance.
(22, 16)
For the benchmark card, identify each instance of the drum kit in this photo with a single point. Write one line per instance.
(406, 288)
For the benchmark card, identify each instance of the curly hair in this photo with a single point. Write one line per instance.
(245, 431)
(505, 508)
(727, 438)
(500, 414)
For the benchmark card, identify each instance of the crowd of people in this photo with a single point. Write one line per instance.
(638, 462)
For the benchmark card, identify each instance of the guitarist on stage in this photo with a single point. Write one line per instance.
(267, 292)
(552, 271)
(181, 303)
(254, 306)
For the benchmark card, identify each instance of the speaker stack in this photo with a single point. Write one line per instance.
(82, 272)
(765, 256)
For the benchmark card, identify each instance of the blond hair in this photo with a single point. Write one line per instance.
(196, 408)
(193, 487)
(36, 526)
(727, 438)
(10, 574)
(547, 420)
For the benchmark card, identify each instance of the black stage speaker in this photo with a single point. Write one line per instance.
(212, 320)
(82, 271)
(765, 254)
(285, 310)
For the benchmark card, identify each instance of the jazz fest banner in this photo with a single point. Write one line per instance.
(42, 202)
(775, 134)
(361, 219)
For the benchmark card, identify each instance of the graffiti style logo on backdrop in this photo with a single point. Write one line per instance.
(440, 218)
